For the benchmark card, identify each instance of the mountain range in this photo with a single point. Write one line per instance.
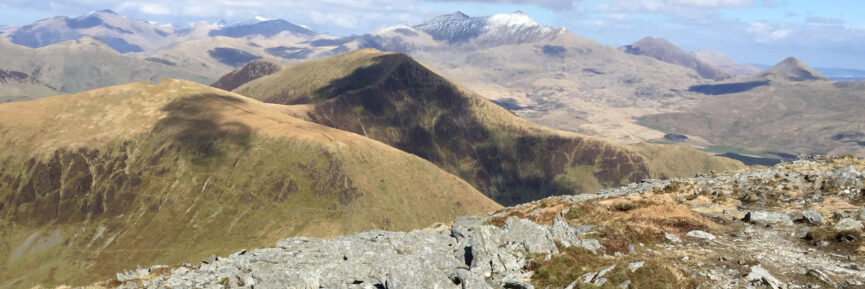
(545, 74)
(135, 160)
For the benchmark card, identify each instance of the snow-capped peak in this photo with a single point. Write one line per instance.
(514, 27)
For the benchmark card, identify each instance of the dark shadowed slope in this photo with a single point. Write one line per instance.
(394, 99)
(252, 71)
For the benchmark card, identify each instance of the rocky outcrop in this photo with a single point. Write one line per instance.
(654, 234)
(470, 254)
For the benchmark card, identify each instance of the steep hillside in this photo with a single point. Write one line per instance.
(790, 109)
(663, 50)
(83, 64)
(18, 86)
(138, 174)
(394, 99)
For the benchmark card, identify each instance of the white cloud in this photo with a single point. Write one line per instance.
(764, 33)
(670, 6)
(553, 4)
(715, 3)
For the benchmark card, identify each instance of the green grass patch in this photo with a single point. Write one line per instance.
(563, 269)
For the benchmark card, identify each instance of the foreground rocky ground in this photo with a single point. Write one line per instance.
(797, 225)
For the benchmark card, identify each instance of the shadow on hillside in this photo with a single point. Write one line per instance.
(403, 104)
(195, 125)
(360, 78)
(727, 88)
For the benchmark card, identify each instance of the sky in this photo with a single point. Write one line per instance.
(827, 33)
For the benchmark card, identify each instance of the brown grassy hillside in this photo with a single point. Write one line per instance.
(106, 179)
(394, 99)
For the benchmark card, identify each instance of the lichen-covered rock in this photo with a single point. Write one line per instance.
(848, 224)
(767, 218)
(809, 216)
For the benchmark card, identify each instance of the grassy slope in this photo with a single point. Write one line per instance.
(103, 180)
(394, 99)
(681, 161)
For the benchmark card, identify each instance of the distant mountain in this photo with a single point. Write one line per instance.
(499, 29)
(95, 182)
(727, 64)
(396, 100)
(832, 73)
(126, 35)
(793, 69)
(83, 64)
(790, 109)
(267, 28)
(18, 86)
(120, 33)
(662, 49)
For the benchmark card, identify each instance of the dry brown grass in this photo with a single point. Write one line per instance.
(218, 193)
(634, 220)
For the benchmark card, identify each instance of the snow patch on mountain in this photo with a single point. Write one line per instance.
(509, 28)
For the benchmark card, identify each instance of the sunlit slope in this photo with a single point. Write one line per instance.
(99, 181)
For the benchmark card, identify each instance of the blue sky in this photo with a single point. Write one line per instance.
(821, 33)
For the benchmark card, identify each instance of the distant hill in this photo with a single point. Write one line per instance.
(119, 32)
(835, 74)
(267, 28)
(249, 72)
(790, 109)
(663, 50)
(727, 64)
(96, 182)
(792, 69)
(83, 64)
(126, 35)
(18, 86)
(396, 100)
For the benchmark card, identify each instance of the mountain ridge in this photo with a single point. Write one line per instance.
(393, 98)
(662, 49)
(215, 171)
(793, 69)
